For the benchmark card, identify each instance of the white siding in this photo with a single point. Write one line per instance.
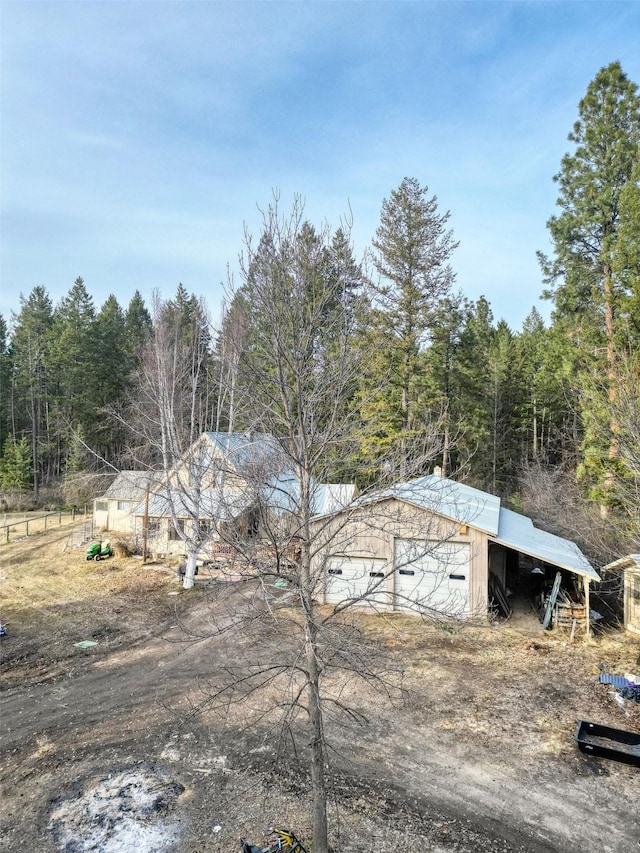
(354, 578)
(432, 576)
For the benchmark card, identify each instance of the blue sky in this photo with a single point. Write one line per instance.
(138, 139)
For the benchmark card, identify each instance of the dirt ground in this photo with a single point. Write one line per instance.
(119, 746)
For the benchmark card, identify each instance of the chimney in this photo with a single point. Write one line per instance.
(437, 471)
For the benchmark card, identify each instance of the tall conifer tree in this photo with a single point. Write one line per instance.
(413, 249)
(581, 274)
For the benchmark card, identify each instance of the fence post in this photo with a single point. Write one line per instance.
(45, 523)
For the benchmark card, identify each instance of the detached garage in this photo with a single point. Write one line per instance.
(430, 546)
(432, 576)
(352, 578)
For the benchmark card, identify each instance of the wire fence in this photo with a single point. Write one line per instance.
(31, 524)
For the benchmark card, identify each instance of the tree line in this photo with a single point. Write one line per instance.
(78, 384)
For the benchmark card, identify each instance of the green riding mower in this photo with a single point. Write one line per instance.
(99, 550)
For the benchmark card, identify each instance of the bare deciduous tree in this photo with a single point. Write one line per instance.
(166, 414)
(295, 378)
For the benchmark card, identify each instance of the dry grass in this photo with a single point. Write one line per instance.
(511, 687)
(52, 596)
(20, 524)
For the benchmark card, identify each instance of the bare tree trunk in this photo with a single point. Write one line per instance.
(313, 673)
(446, 446)
(190, 571)
(318, 758)
(614, 449)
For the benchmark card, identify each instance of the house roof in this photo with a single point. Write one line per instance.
(242, 448)
(132, 485)
(282, 494)
(332, 497)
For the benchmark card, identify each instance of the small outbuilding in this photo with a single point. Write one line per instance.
(630, 568)
(437, 546)
(113, 511)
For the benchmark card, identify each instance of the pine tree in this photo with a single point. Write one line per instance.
(137, 324)
(626, 261)
(113, 367)
(473, 440)
(585, 234)
(444, 375)
(73, 362)
(15, 465)
(413, 249)
(30, 345)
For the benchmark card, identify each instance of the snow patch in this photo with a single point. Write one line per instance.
(123, 813)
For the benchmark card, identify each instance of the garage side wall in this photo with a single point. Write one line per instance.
(371, 532)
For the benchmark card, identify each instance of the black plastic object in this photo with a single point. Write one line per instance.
(605, 742)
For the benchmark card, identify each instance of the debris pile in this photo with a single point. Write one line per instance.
(627, 686)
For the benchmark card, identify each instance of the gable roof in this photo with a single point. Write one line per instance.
(242, 448)
(132, 485)
(451, 499)
(482, 511)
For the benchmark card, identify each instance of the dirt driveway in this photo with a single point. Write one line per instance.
(106, 748)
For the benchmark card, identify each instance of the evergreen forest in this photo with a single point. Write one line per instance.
(546, 416)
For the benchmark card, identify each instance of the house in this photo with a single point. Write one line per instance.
(436, 546)
(227, 484)
(114, 510)
(630, 567)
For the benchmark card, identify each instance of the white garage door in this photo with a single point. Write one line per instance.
(354, 577)
(432, 576)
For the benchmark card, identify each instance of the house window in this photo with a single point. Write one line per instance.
(206, 526)
(102, 506)
(153, 527)
(123, 506)
(175, 532)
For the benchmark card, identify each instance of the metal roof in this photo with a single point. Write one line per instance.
(519, 533)
(243, 448)
(482, 511)
(631, 561)
(283, 493)
(453, 500)
(132, 485)
(332, 497)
